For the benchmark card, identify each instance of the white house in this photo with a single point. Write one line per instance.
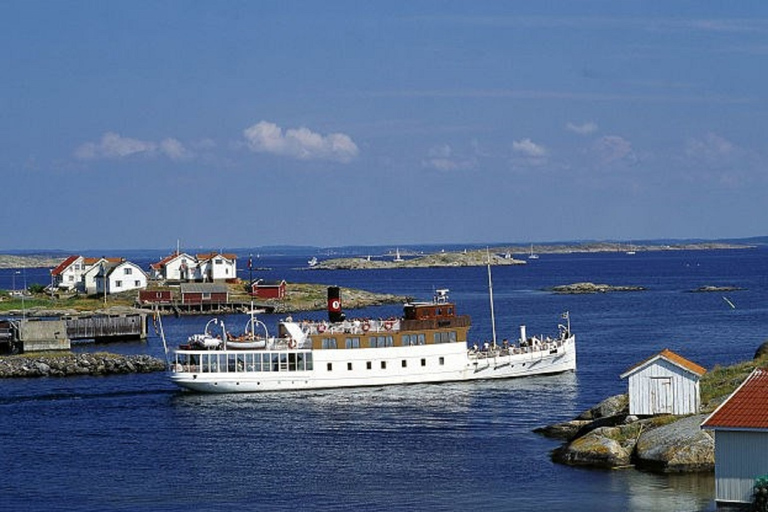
(664, 384)
(92, 269)
(120, 277)
(217, 266)
(68, 274)
(741, 439)
(178, 266)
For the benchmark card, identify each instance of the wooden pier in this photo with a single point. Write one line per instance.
(40, 334)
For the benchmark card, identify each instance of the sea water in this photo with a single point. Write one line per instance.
(137, 443)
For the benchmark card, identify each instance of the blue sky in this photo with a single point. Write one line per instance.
(239, 124)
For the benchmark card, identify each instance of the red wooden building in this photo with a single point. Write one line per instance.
(204, 293)
(268, 289)
(155, 297)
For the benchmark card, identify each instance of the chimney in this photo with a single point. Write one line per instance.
(334, 305)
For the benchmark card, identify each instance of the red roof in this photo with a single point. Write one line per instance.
(211, 255)
(672, 358)
(746, 408)
(63, 265)
(162, 262)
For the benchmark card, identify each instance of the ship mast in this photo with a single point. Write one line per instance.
(490, 295)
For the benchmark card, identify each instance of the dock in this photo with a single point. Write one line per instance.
(42, 334)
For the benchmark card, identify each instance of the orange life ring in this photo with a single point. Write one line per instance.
(388, 325)
(321, 328)
(366, 327)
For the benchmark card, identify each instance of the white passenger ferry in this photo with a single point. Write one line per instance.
(427, 344)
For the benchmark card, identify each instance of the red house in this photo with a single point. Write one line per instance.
(268, 289)
(204, 293)
(155, 297)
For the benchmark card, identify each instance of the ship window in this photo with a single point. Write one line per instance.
(381, 341)
(352, 342)
(329, 343)
(442, 361)
(383, 365)
(405, 363)
(349, 366)
(309, 361)
(423, 362)
(368, 365)
(452, 336)
(405, 340)
(441, 337)
(330, 367)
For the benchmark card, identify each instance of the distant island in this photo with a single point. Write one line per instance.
(441, 259)
(504, 255)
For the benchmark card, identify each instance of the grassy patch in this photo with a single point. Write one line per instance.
(721, 381)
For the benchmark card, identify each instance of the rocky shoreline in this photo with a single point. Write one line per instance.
(70, 364)
(608, 437)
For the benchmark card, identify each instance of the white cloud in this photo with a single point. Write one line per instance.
(612, 148)
(115, 146)
(442, 158)
(711, 147)
(582, 129)
(528, 148)
(174, 149)
(300, 143)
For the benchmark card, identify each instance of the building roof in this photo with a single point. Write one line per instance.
(670, 356)
(211, 255)
(63, 265)
(93, 261)
(268, 284)
(160, 264)
(746, 408)
(203, 288)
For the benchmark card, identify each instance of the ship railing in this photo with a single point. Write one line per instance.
(354, 326)
(536, 348)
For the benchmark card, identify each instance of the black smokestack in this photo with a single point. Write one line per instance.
(334, 305)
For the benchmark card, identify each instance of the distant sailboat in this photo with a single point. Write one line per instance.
(533, 256)
(631, 249)
(397, 255)
(312, 262)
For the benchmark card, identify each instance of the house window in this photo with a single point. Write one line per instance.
(118, 284)
(206, 295)
(128, 271)
(71, 278)
(218, 261)
(137, 284)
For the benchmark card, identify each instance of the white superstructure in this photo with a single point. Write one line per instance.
(428, 344)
